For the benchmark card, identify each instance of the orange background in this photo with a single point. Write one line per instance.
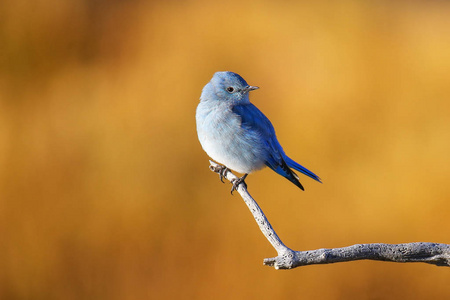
(105, 192)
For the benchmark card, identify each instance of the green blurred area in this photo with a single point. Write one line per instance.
(105, 192)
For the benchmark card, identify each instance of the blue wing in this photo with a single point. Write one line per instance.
(254, 121)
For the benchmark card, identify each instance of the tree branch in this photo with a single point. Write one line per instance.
(432, 253)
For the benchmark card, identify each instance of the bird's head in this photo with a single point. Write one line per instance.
(227, 86)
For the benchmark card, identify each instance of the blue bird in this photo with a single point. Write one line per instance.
(235, 133)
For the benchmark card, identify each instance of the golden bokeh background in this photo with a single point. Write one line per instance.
(105, 192)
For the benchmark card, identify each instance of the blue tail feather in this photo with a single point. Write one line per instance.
(284, 171)
(296, 166)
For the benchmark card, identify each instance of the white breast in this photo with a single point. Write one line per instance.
(221, 136)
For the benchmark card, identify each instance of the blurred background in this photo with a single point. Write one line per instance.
(105, 192)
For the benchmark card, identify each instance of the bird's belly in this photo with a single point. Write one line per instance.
(229, 144)
(234, 153)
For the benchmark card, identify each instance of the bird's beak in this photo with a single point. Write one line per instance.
(251, 88)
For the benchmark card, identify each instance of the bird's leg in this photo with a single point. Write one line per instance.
(237, 182)
(221, 170)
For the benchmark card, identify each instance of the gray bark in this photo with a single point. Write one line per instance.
(432, 253)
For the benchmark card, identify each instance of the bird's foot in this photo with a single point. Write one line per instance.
(237, 182)
(221, 170)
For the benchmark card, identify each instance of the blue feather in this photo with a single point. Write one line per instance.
(254, 121)
(300, 168)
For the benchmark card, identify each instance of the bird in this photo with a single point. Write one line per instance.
(236, 134)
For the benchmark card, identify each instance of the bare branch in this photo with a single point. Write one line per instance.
(432, 253)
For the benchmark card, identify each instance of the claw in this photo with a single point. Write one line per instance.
(237, 182)
(222, 173)
(221, 170)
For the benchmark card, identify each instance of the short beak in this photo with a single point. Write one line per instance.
(251, 88)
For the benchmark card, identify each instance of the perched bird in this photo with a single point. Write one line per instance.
(235, 133)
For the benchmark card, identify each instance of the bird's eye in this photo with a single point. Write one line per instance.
(230, 89)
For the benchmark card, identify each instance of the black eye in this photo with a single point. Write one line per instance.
(230, 89)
